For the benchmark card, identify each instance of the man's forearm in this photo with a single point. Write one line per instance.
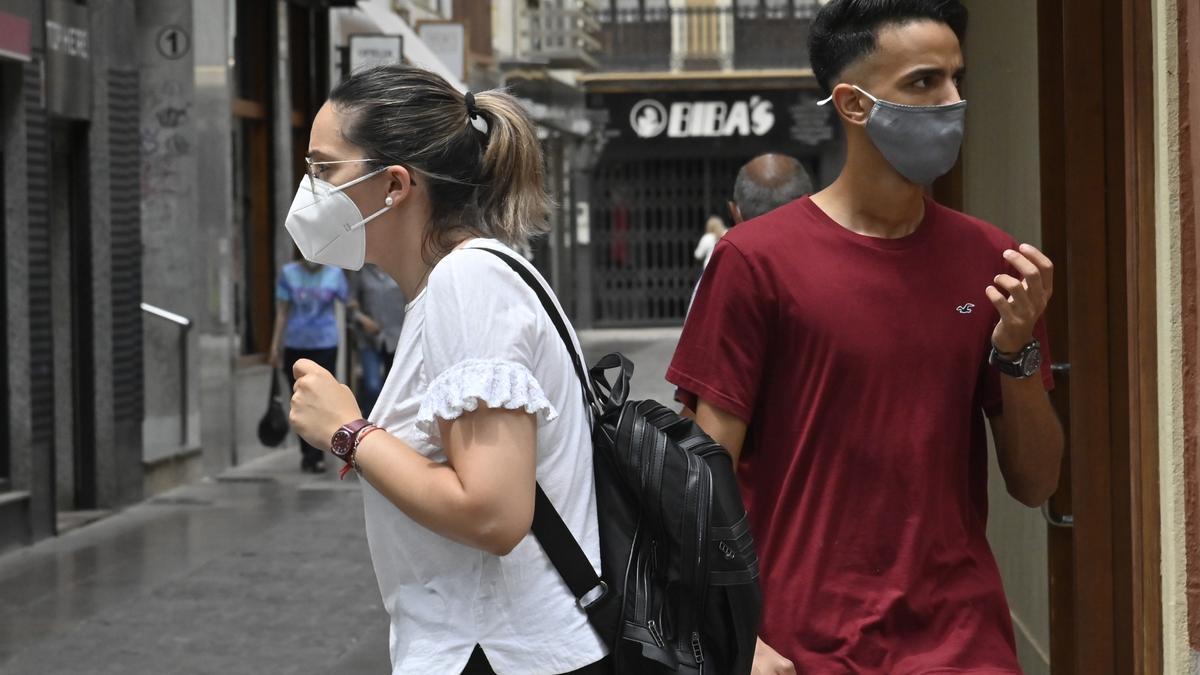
(723, 427)
(1029, 441)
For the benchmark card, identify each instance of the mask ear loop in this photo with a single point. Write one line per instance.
(369, 218)
(864, 92)
(340, 189)
(356, 181)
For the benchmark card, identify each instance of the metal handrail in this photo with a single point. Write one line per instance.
(185, 327)
(161, 313)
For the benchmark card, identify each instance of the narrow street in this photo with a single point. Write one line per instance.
(261, 569)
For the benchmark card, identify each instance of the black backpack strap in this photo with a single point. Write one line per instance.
(552, 533)
(565, 554)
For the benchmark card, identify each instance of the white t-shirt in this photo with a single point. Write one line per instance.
(478, 334)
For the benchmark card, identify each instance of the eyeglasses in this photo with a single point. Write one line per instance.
(311, 168)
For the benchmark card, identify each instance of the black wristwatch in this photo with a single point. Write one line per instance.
(1024, 364)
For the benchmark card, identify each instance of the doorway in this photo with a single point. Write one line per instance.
(252, 165)
(1096, 83)
(648, 215)
(1083, 576)
(71, 300)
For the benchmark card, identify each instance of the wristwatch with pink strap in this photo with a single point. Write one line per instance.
(346, 439)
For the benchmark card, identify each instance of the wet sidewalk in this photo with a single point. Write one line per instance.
(262, 569)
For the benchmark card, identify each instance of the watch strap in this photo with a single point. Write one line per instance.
(356, 427)
(351, 429)
(1013, 366)
(352, 456)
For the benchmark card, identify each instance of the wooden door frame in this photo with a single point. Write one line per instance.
(1097, 110)
(252, 107)
(1142, 315)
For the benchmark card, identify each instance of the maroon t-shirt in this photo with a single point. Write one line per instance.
(860, 366)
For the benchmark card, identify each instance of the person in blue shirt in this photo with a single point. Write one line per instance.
(306, 327)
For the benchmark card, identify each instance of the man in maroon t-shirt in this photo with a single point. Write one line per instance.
(846, 348)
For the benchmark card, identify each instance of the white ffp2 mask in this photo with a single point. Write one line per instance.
(327, 225)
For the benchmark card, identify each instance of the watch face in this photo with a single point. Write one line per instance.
(341, 442)
(1032, 362)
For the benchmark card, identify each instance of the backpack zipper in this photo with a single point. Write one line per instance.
(697, 652)
(633, 572)
(655, 632)
(702, 543)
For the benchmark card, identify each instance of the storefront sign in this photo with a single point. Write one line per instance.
(783, 117)
(375, 50)
(16, 29)
(689, 119)
(68, 60)
(448, 41)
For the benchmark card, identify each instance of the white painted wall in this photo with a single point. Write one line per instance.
(1178, 656)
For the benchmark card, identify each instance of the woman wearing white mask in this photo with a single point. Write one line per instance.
(482, 399)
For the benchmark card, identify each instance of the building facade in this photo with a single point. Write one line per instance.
(71, 417)
(150, 152)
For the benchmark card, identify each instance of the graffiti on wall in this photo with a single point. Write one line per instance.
(167, 148)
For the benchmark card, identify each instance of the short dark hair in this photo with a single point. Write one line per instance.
(845, 31)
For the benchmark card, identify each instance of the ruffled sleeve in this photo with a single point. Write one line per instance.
(493, 383)
(480, 342)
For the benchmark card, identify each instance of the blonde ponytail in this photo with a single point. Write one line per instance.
(513, 198)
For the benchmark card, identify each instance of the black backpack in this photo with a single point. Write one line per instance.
(678, 590)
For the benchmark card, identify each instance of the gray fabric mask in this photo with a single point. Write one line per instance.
(920, 142)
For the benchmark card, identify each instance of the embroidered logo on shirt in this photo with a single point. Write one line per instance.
(967, 308)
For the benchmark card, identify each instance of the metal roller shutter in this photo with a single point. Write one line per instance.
(124, 182)
(41, 329)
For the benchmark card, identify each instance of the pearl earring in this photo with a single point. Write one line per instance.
(388, 201)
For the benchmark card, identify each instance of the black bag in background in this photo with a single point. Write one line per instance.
(273, 427)
(678, 591)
